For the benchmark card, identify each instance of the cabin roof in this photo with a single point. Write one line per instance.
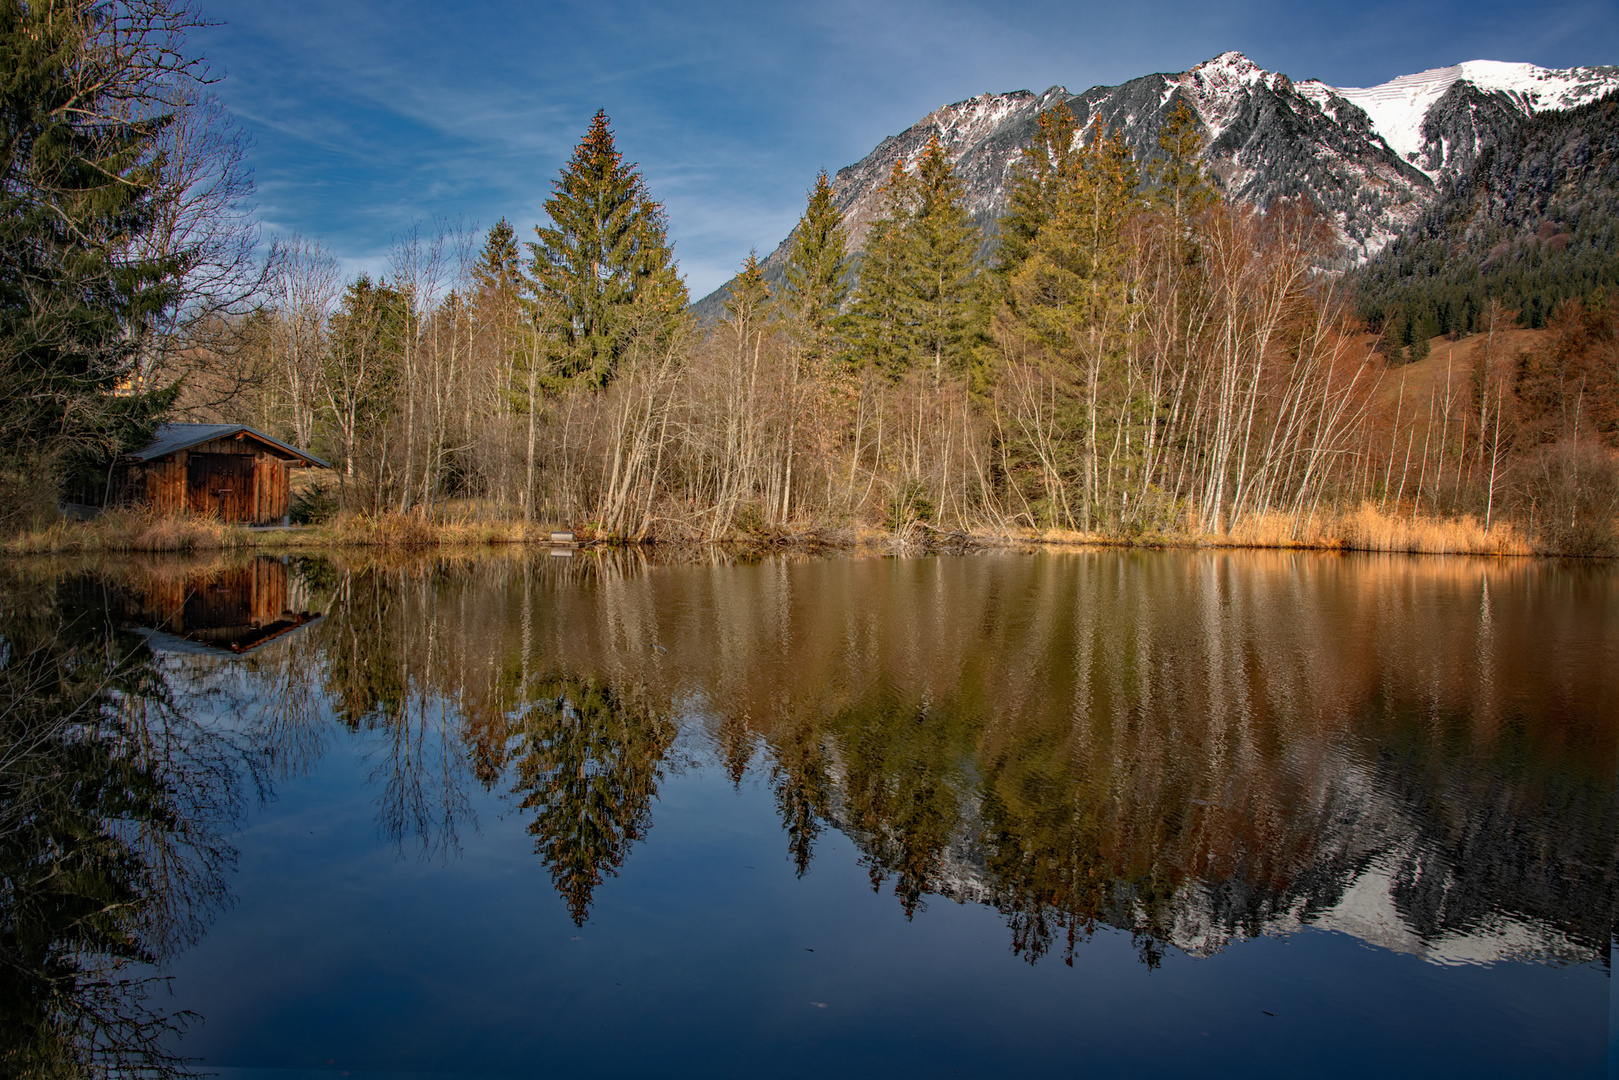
(236, 641)
(172, 438)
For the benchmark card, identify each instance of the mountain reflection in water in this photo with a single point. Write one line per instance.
(1194, 748)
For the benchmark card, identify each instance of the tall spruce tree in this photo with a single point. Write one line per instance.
(603, 270)
(749, 302)
(944, 275)
(918, 300)
(1070, 298)
(1180, 184)
(498, 271)
(877, 328)
(1034, 181)
(1071, 280)
(817, 272)
(362, 373)
(79, 122)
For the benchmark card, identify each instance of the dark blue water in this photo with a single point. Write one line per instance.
(1104, 815)
(343, 954)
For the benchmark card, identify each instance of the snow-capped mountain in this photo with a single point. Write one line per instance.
(1373, 159)
(1417, 115)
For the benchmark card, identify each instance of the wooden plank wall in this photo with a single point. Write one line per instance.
(163, 485)
(271, 488)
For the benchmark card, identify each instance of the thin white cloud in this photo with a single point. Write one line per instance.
(369, 115)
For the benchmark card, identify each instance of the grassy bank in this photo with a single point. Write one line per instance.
(127, 531)
(1365, 529)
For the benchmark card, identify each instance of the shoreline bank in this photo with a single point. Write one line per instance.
(1366, 529)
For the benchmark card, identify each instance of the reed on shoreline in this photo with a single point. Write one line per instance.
(1365, 528)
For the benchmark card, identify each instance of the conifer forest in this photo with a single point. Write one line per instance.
(1136, 357)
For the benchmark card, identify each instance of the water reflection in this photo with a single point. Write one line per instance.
(114, 805)
(235, 608)
(1195, 748)
(585, 764)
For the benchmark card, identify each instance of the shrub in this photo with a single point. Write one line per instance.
(750, 520)
(1569, 492)
(314, 505)
(909, 505)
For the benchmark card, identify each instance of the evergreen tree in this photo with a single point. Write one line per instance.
(1180, 184)
(817, 271)
(944, 276)
(498, 271)
(603, 270)
(78, 170)
(749, 302)
(1070, 297)
(1034, 180)
(1071, 283)
(362, 369)
(918, 302)
(878, 326)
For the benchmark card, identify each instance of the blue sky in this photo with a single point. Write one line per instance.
(368, 116)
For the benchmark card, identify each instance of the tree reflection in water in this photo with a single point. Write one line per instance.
(1182, 747)
(904, 769)
(113, 807)
(801, 775)
(587, 765)
(1193, 749)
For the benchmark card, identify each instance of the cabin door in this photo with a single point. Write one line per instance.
(220, 485)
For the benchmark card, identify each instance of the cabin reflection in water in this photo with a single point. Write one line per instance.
(233, 609)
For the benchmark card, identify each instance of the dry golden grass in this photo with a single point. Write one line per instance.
(127, 530)
(1066, 536)
(415, 530)
(134, 531)
(1368, 528)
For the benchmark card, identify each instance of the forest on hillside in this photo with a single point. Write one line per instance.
(1139, 358)
(1532, 225)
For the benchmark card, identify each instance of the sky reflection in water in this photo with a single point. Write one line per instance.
(1101, 813)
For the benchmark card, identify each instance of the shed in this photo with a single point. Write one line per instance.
(230, 471)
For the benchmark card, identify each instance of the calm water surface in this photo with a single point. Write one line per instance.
(1086, 814)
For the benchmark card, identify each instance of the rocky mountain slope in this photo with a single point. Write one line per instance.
(1533, 222)
(1373, 159)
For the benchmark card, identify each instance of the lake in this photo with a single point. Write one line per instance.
(597, 814)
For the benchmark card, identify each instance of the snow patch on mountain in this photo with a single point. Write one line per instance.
(966, 123)
(1399, 107)
(1371, 159)
(1230, 70)
(1317, 93)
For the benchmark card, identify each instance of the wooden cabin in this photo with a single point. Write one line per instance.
(229, 471)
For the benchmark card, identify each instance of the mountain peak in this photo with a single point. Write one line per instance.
(1371, 159)
(1229, 69)
(1399, 108)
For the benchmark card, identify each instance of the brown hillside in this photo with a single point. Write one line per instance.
(1456, 358)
